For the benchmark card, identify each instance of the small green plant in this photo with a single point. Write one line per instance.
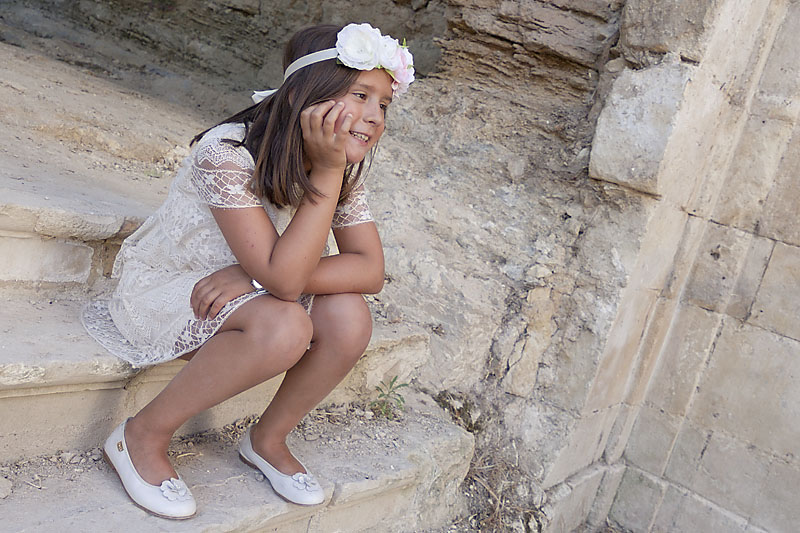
(389, 399)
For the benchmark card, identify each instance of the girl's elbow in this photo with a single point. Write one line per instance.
(376, 283)
(288, 292)
(286, 296)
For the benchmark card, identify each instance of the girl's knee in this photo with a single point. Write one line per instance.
(280, 328)
(290, 330)
(343, 319)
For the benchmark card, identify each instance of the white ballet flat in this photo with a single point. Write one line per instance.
(299, 488)
(172, 499)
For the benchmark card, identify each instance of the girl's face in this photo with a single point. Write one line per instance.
(367, 100)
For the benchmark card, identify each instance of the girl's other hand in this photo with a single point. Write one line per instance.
(211, 293)
(324, 147)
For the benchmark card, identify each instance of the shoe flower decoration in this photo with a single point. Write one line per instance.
(304, 481)
(362, 47)
(175, 490)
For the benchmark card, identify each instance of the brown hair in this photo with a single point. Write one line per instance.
(273, 135)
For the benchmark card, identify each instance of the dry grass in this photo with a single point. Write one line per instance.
(495, 504)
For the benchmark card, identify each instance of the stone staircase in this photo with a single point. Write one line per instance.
(61, 394)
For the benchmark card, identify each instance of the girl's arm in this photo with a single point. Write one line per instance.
(358, 268)
(284, 264)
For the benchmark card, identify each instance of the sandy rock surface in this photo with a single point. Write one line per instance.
(63, 132)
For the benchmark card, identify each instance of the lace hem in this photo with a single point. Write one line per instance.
(99, 324)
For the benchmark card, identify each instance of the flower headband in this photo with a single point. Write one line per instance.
(362, 47)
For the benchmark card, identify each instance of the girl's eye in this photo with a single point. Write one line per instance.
(360, 95)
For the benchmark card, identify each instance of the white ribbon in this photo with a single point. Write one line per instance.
(306, 60)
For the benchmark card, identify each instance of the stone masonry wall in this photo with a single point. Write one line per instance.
(712, 405)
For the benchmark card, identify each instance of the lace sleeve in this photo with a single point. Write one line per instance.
(221, 174)
(353, 211)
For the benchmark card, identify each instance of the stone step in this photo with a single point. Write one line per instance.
(60, 390)
(56, 233)
(378, 475)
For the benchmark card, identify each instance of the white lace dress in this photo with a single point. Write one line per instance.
(148, 319)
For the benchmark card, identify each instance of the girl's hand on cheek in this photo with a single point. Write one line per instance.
(324, 147)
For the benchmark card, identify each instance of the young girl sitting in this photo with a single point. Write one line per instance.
(252, 206)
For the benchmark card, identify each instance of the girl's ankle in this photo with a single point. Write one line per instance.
(276, 452)
(148, 457)
(143, 435)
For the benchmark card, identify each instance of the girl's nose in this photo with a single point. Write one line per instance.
(374, 114)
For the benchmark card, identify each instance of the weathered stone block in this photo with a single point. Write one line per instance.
(735, 488)
(751, 388)
(779, 216)
(752, 171)
(651, 440)
(637, 501)
(17, 218)
(781, 76)
(777, 305)
(569, 504)
(618, 357)
(665, 230)
(685, 257)
(585, 445)
(744, 292)
(25, 257)
(605, 495)
(710, 121)
(777, 503)
(650, 348)
(684, 459)
(620, 433)
(682, 359)
(635, 125)
(684, 511)
(83, 226)
(681, 26)
(717, 266)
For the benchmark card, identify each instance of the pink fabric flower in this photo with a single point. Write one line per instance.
(404, 74)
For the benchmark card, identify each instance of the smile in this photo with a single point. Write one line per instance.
(360, 136)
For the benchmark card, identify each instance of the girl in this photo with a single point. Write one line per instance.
(252, 206)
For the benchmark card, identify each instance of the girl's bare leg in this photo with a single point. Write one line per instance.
(342, 329)
(260, 340)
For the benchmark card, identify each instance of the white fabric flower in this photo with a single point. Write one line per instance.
(305, 481)
(389, 53)
(357, 46)
(175, 489)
